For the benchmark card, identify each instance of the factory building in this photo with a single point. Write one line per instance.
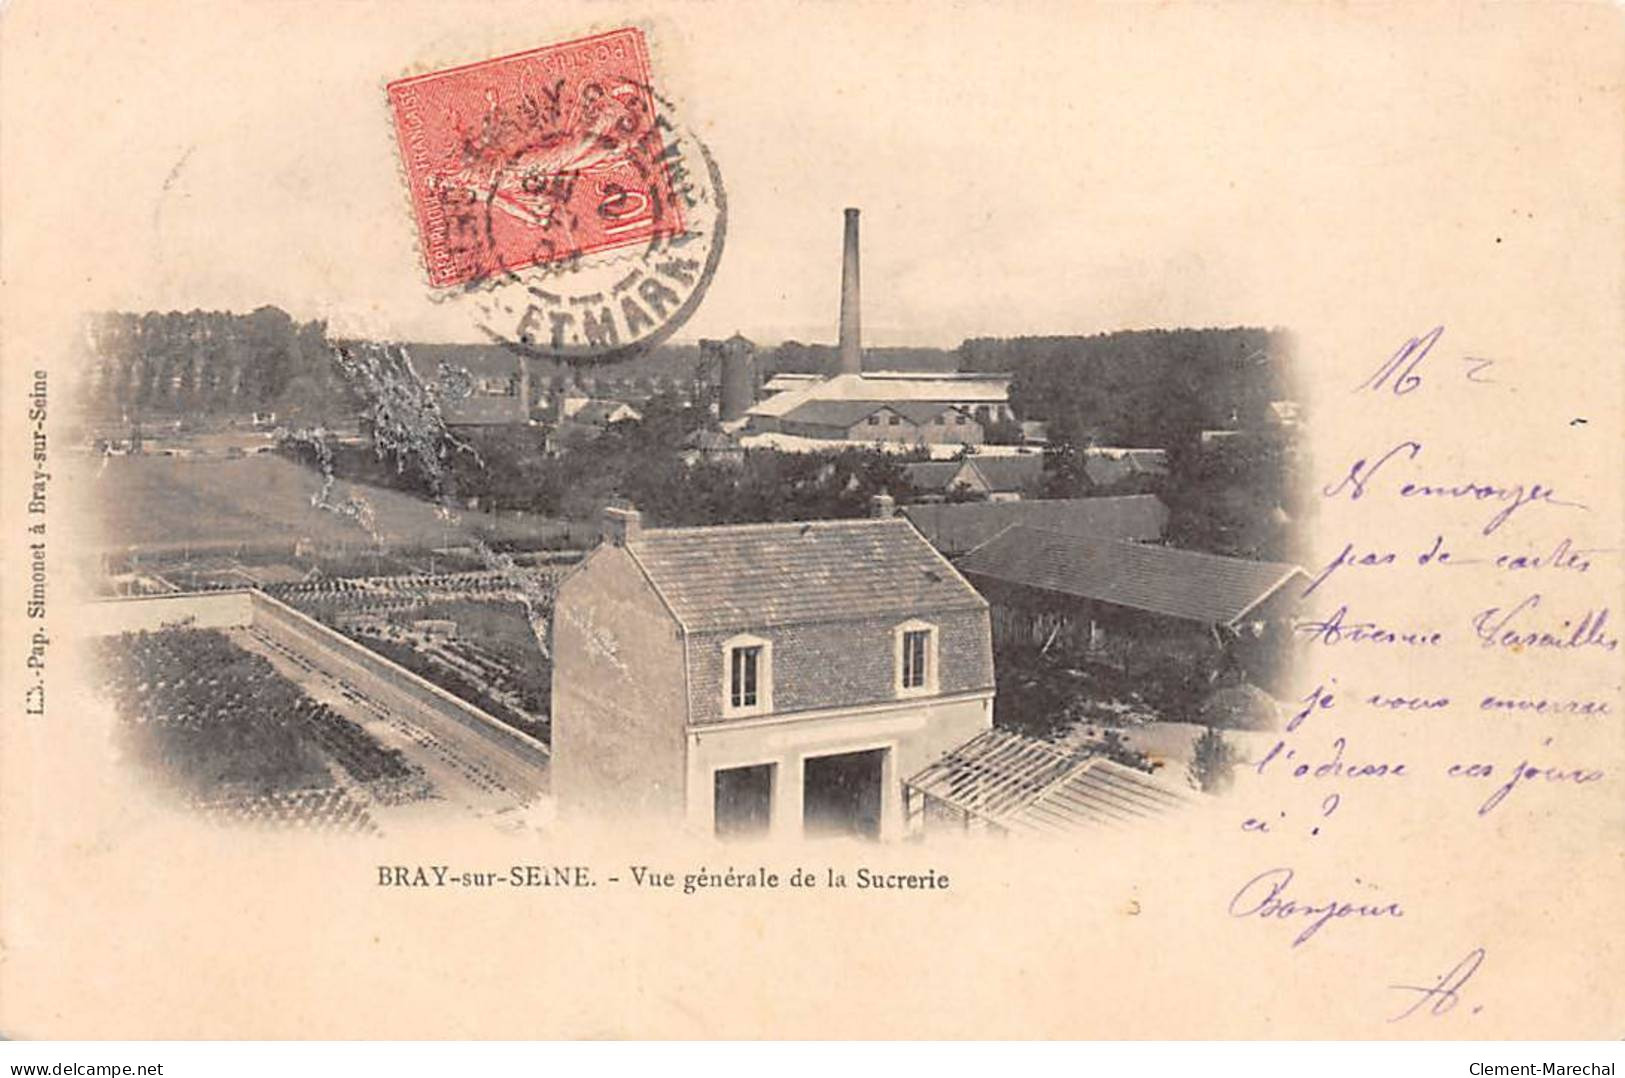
(850, 404)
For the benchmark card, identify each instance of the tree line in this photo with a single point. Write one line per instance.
(213, 363)
(1139, 387)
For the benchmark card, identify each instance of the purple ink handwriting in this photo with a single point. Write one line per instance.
(1398, 373)
(1518, 629)
(1441, 997)
(1337, 628)
(1363, 473)
(1266, 896)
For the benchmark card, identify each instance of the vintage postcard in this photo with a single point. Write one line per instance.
(802, 520)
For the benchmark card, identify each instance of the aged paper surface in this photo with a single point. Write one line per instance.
(1405, 217)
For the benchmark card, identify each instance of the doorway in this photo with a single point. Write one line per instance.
(841, 794)
(744, 801)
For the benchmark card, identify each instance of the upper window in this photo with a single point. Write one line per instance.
(874, 420)
(916, 653)
(892, 420)
(747, 677)
(916, 645)
(745, 680)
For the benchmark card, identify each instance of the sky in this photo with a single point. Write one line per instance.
(1027, 169)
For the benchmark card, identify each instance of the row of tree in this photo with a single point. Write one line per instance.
(213, 363)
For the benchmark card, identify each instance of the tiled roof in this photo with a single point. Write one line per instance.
(1022, 785)
(998, 473)
(954, 529)
(1206, 588)
(833, 413)
(1009, 473)
(932, 474)
(754, 575)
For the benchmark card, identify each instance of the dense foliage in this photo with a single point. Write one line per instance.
(640, 461)
(214, 363)
(1138, 387)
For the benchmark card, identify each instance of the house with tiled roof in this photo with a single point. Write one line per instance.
(762, 679)
(1010, 477)
(933, 480)
(996, 478)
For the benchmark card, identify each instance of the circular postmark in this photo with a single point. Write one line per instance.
(558, 195)
(602, 306)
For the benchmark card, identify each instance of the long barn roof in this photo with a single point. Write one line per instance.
(956, 528)
(1206, 588)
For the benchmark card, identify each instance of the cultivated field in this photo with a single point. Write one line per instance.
(169, 505)
(470, 633)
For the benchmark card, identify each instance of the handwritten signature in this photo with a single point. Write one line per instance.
(1441, 997)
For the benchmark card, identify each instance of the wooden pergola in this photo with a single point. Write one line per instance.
(1006, 783)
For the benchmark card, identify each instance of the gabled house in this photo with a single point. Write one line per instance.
(762, 679)
(996, 478)
(1010, 478)
(936, 479)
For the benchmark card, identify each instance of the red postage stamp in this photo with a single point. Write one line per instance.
(536, 158)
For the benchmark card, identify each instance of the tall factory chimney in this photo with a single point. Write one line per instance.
(850, 358)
